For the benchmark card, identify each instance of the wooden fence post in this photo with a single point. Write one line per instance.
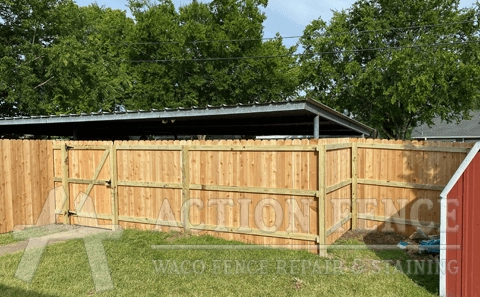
(66, 187)
(322, 228)
(185, 188)
(113, 185)
(354, 185)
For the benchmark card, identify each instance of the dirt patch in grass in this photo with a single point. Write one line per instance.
(374, 237)
(173, 236)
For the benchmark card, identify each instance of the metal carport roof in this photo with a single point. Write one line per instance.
(302, 117)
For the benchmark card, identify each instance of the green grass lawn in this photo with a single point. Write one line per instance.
(6, 238)
(139, 270)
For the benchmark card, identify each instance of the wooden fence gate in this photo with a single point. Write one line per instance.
(298, 194)
(83, 178)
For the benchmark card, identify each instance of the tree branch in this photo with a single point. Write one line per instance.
(44, 82)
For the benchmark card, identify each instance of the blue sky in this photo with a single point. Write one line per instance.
(288, 17)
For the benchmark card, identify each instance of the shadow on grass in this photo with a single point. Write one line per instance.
(420, 268)
(7, 291)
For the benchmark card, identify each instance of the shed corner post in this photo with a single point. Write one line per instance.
(322, 238)
(443, 244)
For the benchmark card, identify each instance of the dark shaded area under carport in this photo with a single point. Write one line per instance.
(306, 117)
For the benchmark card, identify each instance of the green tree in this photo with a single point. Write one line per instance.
(201, 54)
(56, 57)
(86, 63)
(395, 64)
(27, 27)
(156, 36)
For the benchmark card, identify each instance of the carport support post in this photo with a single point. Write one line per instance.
(185, 189)
(322, 195)
(316, 127)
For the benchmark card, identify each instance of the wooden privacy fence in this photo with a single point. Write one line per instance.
(295, 193)
(26, 178)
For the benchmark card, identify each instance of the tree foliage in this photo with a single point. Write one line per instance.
(395, 64)
(27, 27)
(208, 61)
(57, 57)
(86, 66)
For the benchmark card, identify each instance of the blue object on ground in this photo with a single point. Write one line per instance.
(430, 246)
(402, 245)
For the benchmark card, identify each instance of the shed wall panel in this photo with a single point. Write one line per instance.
(463, 234)
(471, 231)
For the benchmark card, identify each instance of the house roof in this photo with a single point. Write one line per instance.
(442, 130)
(272, 118)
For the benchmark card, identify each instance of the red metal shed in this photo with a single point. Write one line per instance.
(460, 230)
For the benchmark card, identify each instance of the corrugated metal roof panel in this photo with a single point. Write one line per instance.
(249, 110)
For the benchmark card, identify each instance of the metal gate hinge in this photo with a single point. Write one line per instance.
(69, 213)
